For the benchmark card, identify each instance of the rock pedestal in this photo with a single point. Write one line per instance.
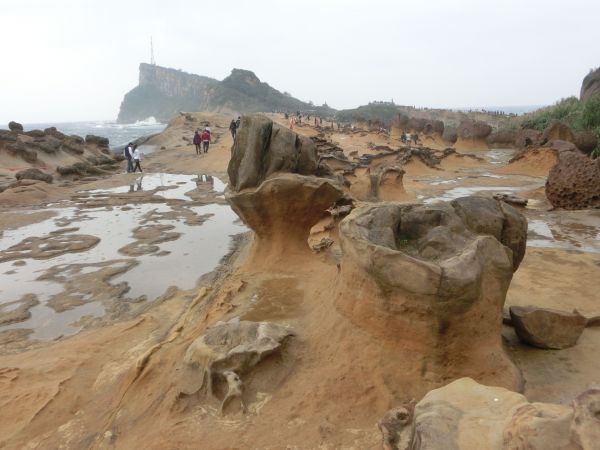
(433, 278)
(273, 189)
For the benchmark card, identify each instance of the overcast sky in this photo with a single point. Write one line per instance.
(66, 60)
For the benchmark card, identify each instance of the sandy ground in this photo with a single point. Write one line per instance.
(116, 384)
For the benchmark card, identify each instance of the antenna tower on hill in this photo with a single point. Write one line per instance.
(152, 60)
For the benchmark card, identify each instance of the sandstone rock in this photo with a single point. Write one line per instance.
(547, 328)
(435, 276)
(557, 130)
(15, 126)
(7, 136)
(559, 145)
(473, 129)
(231, 347)
(527, 136)
(262, 148)
(586, 141)
(465, 415)
(416, 124)
(574, 181)
(282, 210)
(450, 135)
(433, 126)
(502, 138)
(33, 174)
(96, 140)
(590, 85)
(585, 428)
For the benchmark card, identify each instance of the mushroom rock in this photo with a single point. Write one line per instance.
(281, 212)
(433, 278)
(558, 130)
(262, 148)
(450, 135)
(274, 190)
(528, 136)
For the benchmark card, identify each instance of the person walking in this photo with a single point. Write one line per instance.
(238, 122)
(233, 128)
(197, 141)
(206, 139)
(415, 137)
(136, 158)
(127, 154)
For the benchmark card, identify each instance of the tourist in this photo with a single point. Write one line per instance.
(197, 141)
(415, 138)
(233, 128)
(403, 137)
(238, 122)
(206, 139)
(127, 154)
(136, 158)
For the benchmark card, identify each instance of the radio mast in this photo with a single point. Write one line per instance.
(152, 60)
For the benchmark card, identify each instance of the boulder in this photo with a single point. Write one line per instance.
(547, 328)
(465, 415)
(559, 145)
(473, 129)
(97, 140)
(33, 174)
(434, 278)
(527, 137)
(416, 124)
(590, 85)
(502, 138)
(450, 135)
(574, 181)
(586, 141)
(558, 130)
(15, 126)
(433, 127)
(262, 148)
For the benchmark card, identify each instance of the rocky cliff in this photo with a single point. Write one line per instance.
(162, 92)
(590, 85)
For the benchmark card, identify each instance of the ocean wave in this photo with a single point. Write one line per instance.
(148, 121)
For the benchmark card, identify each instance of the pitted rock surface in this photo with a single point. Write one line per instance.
(574, 181)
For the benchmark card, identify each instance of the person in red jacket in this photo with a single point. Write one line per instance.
(205, 139)
(197, 141)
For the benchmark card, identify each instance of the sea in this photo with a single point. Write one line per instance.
(118, 134)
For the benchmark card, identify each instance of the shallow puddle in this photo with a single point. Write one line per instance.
(186, 241)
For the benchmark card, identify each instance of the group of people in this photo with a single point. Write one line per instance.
(133, 156)
(234, 125)
(406, 138)
(202, 139)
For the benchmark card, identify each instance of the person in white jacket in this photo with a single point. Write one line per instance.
(136, 158)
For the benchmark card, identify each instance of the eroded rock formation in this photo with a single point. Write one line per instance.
(227, 351)
(435, 277)
(465, 415)
(273, 187)
(547, 328)
(574, 181)
(590, 85)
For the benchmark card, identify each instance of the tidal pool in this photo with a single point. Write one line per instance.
(190, 239)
